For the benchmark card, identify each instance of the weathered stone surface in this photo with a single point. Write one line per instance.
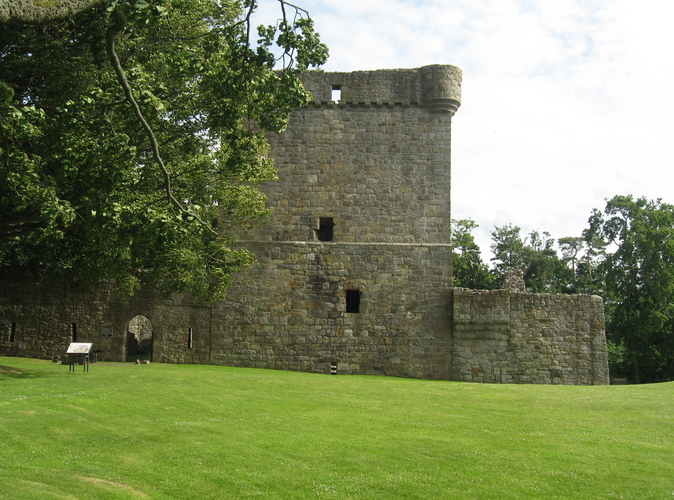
(354, 266)
(503, 336)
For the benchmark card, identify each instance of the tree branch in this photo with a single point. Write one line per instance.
(120, 22)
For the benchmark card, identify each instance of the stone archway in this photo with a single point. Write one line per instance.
(139, 339)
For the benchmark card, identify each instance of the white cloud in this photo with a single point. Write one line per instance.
(565, 102)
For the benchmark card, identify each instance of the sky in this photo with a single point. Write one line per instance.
(565, 103)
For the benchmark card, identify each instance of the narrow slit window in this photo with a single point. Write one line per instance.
(353, 301)
(12, 332)
(73, 332)
(325, 229)
(190, 337)
(336, 93)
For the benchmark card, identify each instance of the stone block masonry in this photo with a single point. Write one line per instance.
(512, 337)
(377, 162)
(292, 311)
(361, 209)
(355, 265)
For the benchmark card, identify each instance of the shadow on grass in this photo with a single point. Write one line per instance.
(12, 372)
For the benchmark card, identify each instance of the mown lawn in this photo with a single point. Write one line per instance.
(198, 432)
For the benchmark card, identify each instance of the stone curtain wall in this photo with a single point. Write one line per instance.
(361, 211)
(509, 337)
(43, 319)
(498, 336)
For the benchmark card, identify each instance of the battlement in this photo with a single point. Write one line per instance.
(436, 87)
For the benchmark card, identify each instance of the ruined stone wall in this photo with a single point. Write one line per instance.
(410, 324)
(376, 166)
(44, 320)
(501, 336)
(39, 321)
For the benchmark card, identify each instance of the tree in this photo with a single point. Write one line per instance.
(546, 272)
(132, 138)
(536, 256)
(585, 255)
(639, 283)
(593, 258)
(42, 10)
(570, 247)
(508, 248)
(469, 269)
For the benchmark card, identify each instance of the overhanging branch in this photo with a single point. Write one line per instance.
(119, 23)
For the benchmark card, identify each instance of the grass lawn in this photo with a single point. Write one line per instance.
(199, 432)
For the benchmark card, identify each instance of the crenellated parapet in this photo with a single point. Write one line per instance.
(436, 87)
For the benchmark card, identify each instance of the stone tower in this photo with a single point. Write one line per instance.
(355, 263)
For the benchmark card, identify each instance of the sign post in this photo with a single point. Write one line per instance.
(79, 349)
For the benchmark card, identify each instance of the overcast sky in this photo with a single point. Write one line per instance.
(565, 103)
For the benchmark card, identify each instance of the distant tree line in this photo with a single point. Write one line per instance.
(625, 255)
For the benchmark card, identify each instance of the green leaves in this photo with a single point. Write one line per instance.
(139, 11)
(468, 269)
(83, 195)
(536, 256)
(640, 283)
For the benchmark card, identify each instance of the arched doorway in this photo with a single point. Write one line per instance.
(139, 336)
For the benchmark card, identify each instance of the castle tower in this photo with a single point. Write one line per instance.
(355, 262)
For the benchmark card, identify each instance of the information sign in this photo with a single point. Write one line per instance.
(78, 348)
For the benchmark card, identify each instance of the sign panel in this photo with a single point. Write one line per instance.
(78, 348)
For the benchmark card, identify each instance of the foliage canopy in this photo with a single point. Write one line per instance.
(132, 138)
(639, 281)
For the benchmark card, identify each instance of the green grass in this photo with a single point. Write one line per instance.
(198, 432)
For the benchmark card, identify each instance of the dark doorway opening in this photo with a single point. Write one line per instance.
(139, 337)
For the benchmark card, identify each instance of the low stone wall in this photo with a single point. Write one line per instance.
(39, 321)
(510, 337)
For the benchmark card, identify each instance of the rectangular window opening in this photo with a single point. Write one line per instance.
(353, 301)
(336, 93)
(73, 332)
(325, 229)
(12, 332)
